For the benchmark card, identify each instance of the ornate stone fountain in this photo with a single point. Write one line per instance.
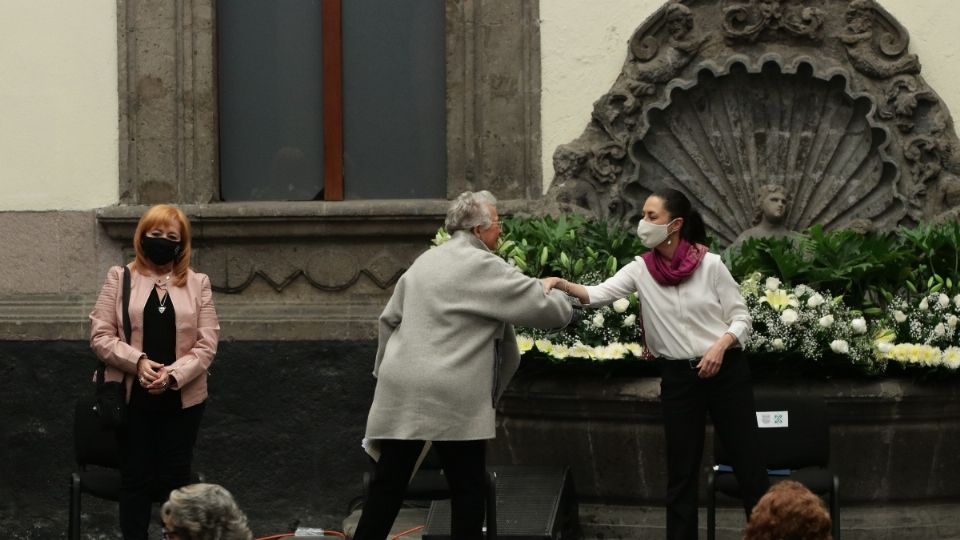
(720, 97)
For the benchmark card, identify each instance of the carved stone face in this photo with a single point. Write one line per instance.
(774, 206)
(858, 20)
(679, 21)
(951, 192)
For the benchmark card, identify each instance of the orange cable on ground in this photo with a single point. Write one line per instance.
(291, 535)
(408, 531)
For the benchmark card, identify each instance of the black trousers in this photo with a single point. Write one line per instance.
(464, 465)
(686, 398)
(156, 452)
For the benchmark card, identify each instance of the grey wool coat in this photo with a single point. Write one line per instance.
(446, 327)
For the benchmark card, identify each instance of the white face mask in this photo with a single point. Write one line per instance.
(653, 234)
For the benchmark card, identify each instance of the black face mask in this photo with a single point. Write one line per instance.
(160, 250)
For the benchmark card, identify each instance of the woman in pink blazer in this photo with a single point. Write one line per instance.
(164, 367)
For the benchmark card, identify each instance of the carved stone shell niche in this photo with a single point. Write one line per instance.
(718, 98)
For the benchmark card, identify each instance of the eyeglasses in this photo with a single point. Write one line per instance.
(170, 534)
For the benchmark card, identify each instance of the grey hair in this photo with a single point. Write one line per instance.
(469, 210)
(205, 512)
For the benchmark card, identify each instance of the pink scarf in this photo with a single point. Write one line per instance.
(686, 260)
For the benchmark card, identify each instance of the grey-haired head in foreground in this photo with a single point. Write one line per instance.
(470, 209)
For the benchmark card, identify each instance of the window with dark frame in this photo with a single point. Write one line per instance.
(331, 100)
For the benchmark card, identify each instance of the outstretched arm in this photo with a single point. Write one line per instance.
(573, 289)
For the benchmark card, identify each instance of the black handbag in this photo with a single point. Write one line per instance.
(110, 399)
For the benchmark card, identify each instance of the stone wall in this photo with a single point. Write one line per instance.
(292, 271)
(281, 431)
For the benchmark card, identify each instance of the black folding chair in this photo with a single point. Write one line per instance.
(98, 463)
(795, 440)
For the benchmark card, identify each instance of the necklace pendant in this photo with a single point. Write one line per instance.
(161, 309)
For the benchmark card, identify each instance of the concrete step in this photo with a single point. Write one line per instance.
(611, 522)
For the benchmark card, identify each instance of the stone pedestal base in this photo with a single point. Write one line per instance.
(891, 440)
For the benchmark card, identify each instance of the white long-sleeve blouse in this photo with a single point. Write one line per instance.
(681, 321)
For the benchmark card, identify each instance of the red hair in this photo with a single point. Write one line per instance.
(789, 511)
(157, 215)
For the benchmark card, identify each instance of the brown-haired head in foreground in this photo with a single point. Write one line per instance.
(789, 511)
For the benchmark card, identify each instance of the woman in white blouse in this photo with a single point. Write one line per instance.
(695, 323)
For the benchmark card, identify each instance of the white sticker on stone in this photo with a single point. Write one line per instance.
(773, 419)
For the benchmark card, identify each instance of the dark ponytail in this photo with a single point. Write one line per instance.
(678, 206)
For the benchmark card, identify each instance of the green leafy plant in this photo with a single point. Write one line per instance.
(869, 269)
(569, 246)
(832, 301)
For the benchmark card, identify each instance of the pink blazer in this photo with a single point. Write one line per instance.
(198, 331)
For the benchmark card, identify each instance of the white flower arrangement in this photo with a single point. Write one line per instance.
(607, 333)
(788, 323)
(813, 323)
(929, 335)
(600, 353)
(806, 322)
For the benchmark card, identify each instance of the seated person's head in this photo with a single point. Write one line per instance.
(203, 512)
(789, 511)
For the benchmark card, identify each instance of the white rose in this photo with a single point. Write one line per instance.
(826, 321)
(630, 320)
(939, 330)
(956, 301)
(884, 347)
(899, 316)
(598, 320)
(802, 290)
(772, 283)
(815, 300)
(924, 305)
(789, 316)
(952, 321)
(839, 346)
(943, 300)
(621, 305)
(859, 325)
(778, 344)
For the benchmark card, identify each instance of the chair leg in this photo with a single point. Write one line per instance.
(491, 505)
(711, 507)
(73, 528)
(835, 507)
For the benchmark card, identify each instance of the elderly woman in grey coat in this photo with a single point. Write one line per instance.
(447, 350)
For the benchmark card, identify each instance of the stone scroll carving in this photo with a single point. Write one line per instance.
(876, 42)
(819, 97)
(749, 20)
